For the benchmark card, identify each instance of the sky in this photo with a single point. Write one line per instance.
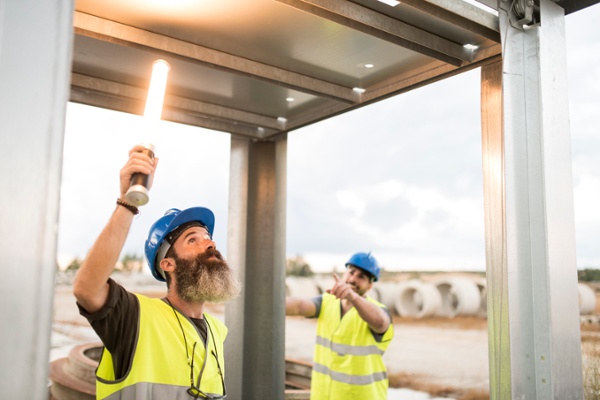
(408, 187)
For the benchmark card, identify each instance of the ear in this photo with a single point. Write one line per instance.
(167, 264)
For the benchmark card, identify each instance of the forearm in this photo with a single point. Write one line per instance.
(377, 319)
(299, 306)
(90, 286)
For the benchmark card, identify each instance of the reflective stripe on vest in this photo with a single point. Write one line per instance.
(160, 344)
(350, 379)
(348, 360)
(343, 349)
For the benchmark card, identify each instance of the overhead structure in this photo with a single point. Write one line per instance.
(258, 69)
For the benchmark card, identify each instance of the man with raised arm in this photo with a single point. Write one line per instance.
(167, 348)
(353, 332)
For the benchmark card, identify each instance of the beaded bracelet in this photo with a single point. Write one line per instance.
(134, 210)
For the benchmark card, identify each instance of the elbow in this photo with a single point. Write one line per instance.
(81, 289)
(78, 289)
(382, 325)
(382, 328)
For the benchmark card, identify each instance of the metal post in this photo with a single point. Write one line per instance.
(533, 313)
(35, 65)
(256, 248)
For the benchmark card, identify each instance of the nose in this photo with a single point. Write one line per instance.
(210, 244)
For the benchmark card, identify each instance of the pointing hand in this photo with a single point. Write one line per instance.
(342, 290)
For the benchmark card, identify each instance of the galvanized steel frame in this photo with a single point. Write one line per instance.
(533, 314)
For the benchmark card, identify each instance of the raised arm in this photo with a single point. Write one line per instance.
(377, 319)
(90, 286)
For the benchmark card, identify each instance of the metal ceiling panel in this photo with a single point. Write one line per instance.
(236, 65)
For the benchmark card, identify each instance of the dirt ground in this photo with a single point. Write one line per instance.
(434, 355)
(440, 356)
(429, 355)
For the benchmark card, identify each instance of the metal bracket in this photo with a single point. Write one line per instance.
(521, 13)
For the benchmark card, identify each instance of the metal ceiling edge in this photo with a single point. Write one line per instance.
(379, 25)
(460, 13)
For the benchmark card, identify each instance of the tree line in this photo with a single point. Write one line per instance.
(589, 275)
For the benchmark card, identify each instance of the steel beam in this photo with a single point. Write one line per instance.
(122, 97)
(460, 13)
(381, 26)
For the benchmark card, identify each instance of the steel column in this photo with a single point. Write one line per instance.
(255, 347)
(533, 313)
(35, 65)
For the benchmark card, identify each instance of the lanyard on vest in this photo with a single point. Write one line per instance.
(194, 390)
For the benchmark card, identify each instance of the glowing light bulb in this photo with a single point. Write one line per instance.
(156, 92)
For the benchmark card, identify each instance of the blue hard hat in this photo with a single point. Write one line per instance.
(158, 241)
(367, 262)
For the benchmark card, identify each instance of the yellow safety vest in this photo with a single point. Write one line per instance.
(160, 369)
(348, 361)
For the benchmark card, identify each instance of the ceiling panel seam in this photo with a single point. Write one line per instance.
(137, 96)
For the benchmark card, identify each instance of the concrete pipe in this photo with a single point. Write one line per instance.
(417, 299)
(482, 286)
(460, 296)
(74, 377)
(300, 287)
(385, 293)
(587, 299)
(324, 282)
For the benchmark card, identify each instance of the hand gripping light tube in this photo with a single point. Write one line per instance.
(138, 190)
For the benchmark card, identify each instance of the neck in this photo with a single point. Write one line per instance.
(190, 310)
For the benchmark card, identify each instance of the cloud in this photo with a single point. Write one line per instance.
(587, 219)
(583, 67)
(402, 177)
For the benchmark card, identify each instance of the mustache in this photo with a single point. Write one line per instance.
(212, 252)
(206, 259)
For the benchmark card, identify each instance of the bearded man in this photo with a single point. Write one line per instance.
(353, 333)
(167, 348)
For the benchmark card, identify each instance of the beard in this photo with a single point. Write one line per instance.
(203, 279)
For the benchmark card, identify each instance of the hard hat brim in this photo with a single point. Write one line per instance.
(199, 214)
